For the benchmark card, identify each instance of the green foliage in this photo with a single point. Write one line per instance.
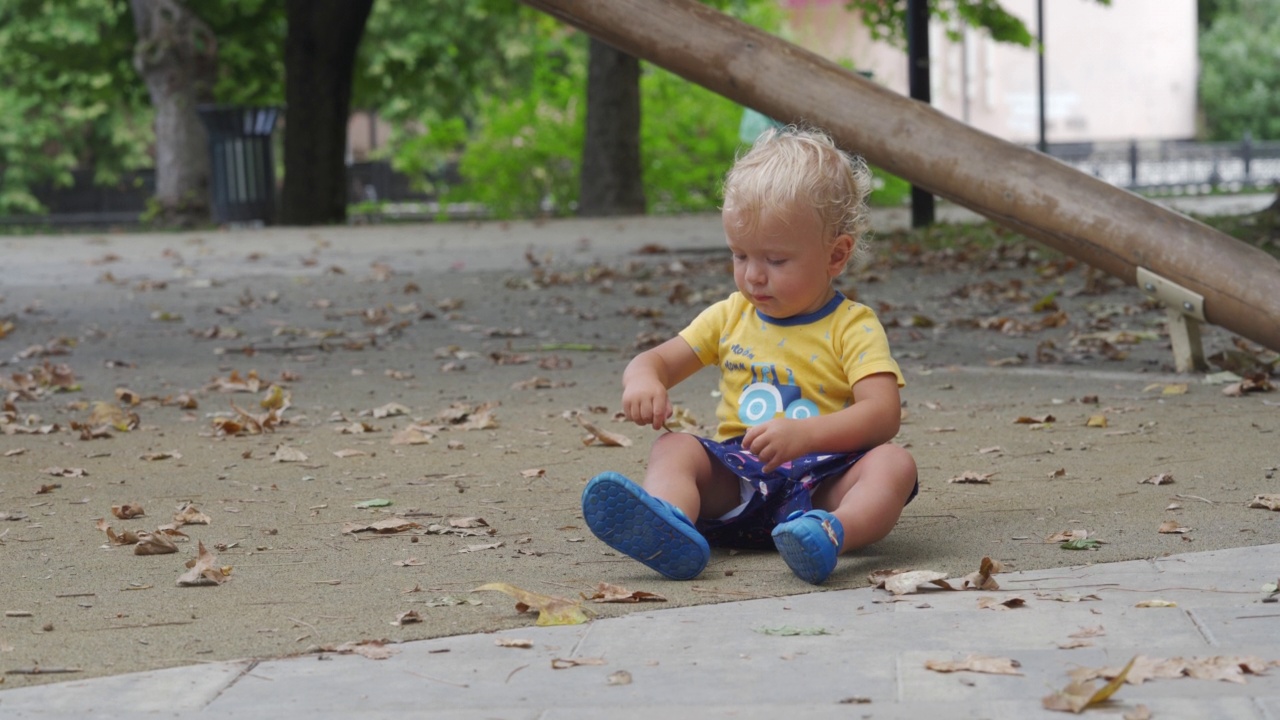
(689, 136)
(70, 97)
(888, 190)
(1240, 71)
(439, 58)
(251, 37)
(64, 96)
(524, 153)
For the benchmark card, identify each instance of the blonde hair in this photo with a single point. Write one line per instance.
(801, 166)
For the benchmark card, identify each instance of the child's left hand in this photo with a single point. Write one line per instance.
(776, 442)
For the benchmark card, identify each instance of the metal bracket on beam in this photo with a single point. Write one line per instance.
(1186, 312)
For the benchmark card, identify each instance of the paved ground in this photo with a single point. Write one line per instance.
(440, 316)
(854, 653)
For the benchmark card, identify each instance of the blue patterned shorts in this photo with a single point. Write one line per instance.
(772, 496)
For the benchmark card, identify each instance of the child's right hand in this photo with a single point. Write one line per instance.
(646, 403)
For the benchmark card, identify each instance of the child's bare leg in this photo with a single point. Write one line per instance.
(681, 472)
(869, 498)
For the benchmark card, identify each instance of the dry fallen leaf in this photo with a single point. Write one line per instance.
(513, 643)
(1036, 420)
(371, 649)
(156, 543)
(1074, 644)
(415, 435)
(991, 603)
(605, 437)
(1158, 479)
(909, 582)
(681, 420)
(982, 580)
(563, 663)
(552, 610)
(391, 409)
(382, 527)
(606, 593)
(284, 453)
(127, 511)
(1080, 695)
(969, 476)
(104, 413)
(188, 514)
(1171, 527)
(622, 677)
(1067, 536)
(65, 472)
(407, 617)
(128, 537)
(976, 663)
(1098, 421)
(1226, 668)
(203, 570)
(468, 522)
(1266, 501)
(1156, 603)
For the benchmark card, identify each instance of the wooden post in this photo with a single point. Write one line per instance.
(1109, 228)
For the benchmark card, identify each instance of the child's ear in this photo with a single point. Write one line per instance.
(841, 253)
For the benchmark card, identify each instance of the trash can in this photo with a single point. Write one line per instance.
(242, 182)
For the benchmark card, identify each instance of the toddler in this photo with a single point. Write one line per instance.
(801, 458)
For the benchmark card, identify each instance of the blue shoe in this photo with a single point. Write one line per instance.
(809, 543)
(647, 528)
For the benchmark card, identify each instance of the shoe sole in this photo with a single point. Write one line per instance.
(640, 526)
(803, 551)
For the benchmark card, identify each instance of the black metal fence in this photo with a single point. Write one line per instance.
(1168, 167)
(1158, 167)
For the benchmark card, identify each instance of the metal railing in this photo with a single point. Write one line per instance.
(1149, 167)
(1176, 167)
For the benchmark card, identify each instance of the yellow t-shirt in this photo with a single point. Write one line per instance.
(787, 367)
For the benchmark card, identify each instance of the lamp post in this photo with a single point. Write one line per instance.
(1043, 142)
(922, 208)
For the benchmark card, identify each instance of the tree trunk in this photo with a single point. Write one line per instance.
(177, 56)
(612, 181)
(319, 59)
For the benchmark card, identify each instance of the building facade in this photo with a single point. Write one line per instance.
(1122, 72)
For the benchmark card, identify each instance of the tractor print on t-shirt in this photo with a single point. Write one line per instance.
(767, 397)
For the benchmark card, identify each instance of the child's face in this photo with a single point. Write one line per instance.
(784, 262)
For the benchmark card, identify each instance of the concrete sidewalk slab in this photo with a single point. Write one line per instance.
(855, 653)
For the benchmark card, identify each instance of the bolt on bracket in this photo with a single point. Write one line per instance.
(1185, 313)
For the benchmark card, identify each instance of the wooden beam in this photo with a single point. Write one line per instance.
(1033, 194)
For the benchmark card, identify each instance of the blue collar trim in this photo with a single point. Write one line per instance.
(807, 318)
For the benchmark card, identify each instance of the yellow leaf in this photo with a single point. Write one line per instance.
(1098, 421)
(276, 399)
(552, 610)
(1078, 696)
(1110, 688)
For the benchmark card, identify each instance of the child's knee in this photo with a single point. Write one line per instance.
(896, 460)
(674, 442)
